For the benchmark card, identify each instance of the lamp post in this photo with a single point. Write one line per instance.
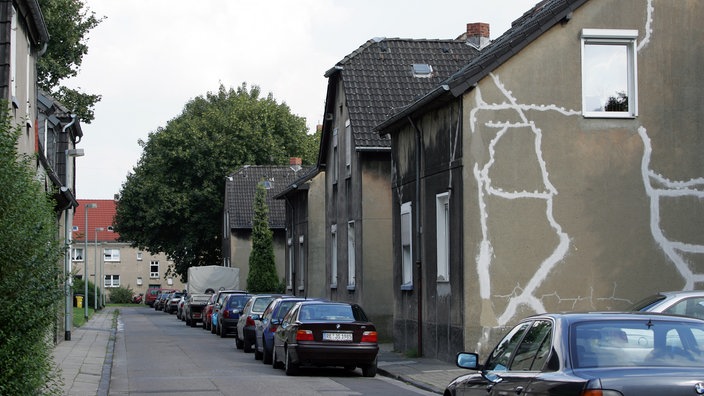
(68, 221)
(85, 262)
(95, 273)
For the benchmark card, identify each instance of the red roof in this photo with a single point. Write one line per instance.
(99, 217)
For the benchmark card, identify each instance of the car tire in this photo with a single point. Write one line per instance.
(188, 322)
(369, 370)
(290, 367)
(238, 343)
(212, 329)
(247, 346)
(222, 331)
(257, 355)
(274, 363)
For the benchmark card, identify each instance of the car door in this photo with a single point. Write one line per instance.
(527, 361)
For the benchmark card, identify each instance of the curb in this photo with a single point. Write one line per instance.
(410, 381)
(104, 387)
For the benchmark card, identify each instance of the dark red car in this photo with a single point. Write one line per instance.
(320, 333)
(208, 312)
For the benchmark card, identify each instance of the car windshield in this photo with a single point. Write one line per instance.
(637, 343)
(327, 312)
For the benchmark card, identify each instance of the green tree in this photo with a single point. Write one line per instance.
(262, 275)
(30, 279)
(172, 201)
(68, 23)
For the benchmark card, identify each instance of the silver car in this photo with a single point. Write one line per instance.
(687, 303)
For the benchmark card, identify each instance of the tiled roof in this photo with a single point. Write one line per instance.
(241, 187)
(100, 217)
(523, 31)
(378, 78)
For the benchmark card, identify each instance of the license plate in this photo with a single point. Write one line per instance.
(337, 336)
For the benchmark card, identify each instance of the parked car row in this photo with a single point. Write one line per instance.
(286, 331)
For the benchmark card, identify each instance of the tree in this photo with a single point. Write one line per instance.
(68, 23)
(262, 275)
(30, 280)
(172, 201)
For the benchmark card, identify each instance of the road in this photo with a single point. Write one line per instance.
(155, 353)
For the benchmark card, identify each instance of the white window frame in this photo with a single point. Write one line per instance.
(351, 256)
(348, 148)
(139, 256)
(152, 274)
(75, 255)
(111, 281)
(301, 263)
(611, 37)
(442, 236)
(111, 255)
(406, 252)
(333, 256)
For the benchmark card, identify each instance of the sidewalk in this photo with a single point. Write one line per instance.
(86, 361)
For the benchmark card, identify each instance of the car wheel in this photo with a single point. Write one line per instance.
(257, 354)
(222, 331)
(238, 343)
(188, 322)
(266, 357)
(212, 328)
(247, 346)
(369, 370)
(217, 329)
(290, 367)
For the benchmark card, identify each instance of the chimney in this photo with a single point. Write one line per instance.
(295, 163)
(478, 34)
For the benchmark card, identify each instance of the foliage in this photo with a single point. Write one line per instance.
(121, 295)
(68, 23)
(79, 288)
(172, 202)
(30, 278)
(262, 267)
(617, 103)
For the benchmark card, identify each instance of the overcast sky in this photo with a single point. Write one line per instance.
(149, 57)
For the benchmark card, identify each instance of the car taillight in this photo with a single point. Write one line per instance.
(226, 314)
(304, 335)
(273, 328)
(369, 336)
(250, 321)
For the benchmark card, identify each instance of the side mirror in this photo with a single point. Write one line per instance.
(467, 360)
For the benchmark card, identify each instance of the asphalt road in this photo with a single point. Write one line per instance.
(155, 353)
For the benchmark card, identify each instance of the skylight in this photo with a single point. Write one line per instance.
(422, 70)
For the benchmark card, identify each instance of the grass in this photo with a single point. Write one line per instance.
(79, 316)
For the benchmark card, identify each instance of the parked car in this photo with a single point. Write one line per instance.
(171, 304)
(219, 296)
(160, 302)
(591, 353)
(208, 312)
(230, 311)
(193, 308)
(181, 303)
(323, 333)
(688, 303)
(153, 294)
(270, 320)
(251, 314)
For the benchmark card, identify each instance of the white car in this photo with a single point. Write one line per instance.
(687, 303)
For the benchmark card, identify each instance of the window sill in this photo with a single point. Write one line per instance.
(609, 115)
(351, 287)
(407, 287)
(333, 285)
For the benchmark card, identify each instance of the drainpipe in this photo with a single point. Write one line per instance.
(419, 235)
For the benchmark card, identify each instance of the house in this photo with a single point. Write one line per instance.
(98, 249)
(238, 213)
(363, 89)
(559, 170)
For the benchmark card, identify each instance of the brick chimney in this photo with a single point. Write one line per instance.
(295, 163)
(478, 34)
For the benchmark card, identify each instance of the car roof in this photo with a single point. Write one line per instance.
(616, 315)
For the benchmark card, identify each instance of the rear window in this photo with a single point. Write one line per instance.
(235, 302)
(261, 303)
(327, 312)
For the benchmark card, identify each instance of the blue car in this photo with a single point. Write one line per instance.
(265, 328)
(229, 313)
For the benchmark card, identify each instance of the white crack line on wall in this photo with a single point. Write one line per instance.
(669, 188)
(521, 295)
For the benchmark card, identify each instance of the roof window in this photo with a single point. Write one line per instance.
(422, 70)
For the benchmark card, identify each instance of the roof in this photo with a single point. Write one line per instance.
(378, 79)
(299, 183)
(241, 186)
(99, 217)
(523, 31)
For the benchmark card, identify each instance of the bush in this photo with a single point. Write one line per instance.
(121, 295)
(79, 288)
(30, 278)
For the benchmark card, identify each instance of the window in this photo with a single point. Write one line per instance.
(500, 358)
(334, 156)
(77, 254)
(348, 147)
(14, 25)
(406, 247)
(112, 280)
(351, 257)
(609, 83)
(154, 269)
(291, 260)
(111, 255)
(139, 256)
(442, 224)
(333, 256)
(534, 348)
(689, 307)
(301, 263)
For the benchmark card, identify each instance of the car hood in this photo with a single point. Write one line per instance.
(644, 381)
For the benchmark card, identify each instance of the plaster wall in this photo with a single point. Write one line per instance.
(564, 212)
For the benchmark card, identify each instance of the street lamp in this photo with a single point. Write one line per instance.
(95, 274)
(85, 262)
(68, 221)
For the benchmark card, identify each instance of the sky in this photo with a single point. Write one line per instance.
(148, 58)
